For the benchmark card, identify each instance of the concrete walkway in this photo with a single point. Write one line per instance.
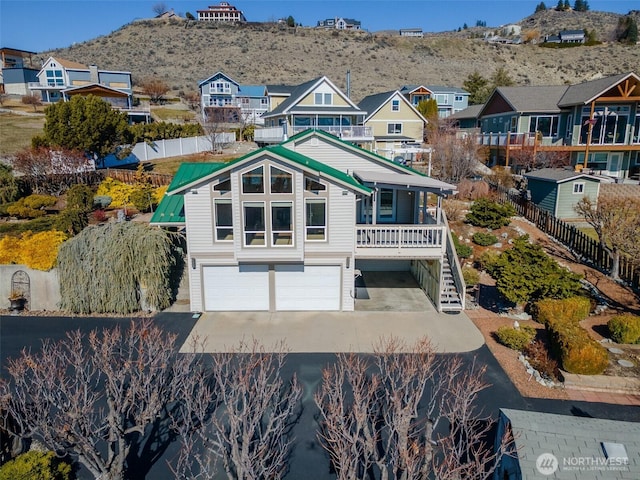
(329, 332)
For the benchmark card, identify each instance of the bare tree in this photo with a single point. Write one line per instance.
(39, 164)
(99, 397)
(249, 433)
(454, 158)
(155, 88)
(33, 99)
(404, 415)
(159, 8)
(616, 221)
(192, 99)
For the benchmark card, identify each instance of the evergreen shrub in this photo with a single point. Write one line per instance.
(516, 338)
(36, 465)
(486, 213)
(484, 239)
(572, 309)
(625, 328)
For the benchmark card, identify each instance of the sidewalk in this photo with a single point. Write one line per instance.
(330, 332)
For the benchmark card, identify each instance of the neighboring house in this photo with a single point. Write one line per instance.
(316, 104)
(224, 12)
(546, 445)
(59, 80)
(291, 227)
(225, 100)
(411, 32)
(17, 71)
(450, 99)
(596, 124)
(394, 122)
(466, 120)
(169, 14)
(558, 190)
(340, 23)
(566, 36)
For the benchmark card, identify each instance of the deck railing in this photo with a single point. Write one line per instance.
(400, 236)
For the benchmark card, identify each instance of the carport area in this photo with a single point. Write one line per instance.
(390, 292)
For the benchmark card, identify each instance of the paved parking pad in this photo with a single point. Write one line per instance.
(328, 332)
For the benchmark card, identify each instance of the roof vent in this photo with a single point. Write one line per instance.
(615, 450)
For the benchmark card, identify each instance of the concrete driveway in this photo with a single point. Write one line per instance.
(328, 332)
(392, 305)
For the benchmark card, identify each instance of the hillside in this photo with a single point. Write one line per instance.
(183, 53)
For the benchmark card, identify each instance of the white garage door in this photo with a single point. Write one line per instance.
(236, 288)
(308, 287)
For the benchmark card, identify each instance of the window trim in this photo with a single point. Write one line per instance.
(272, 176)
(246, 172)
(307, 227)
(395, 131)
(309, 179)
(245, 232)
(395, 105)
(216, 227)
(273, 232)
(578, 188)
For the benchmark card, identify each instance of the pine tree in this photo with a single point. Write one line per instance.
(478, 88)
(541, 7)
(560, 5)
(566, 6)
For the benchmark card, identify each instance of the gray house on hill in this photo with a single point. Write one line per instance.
(557, 190)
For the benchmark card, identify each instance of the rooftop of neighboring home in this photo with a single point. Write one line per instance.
(558, 175)
(584, 447)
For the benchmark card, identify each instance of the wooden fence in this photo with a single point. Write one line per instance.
(585, 247)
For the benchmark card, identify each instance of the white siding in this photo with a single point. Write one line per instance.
(339, 158)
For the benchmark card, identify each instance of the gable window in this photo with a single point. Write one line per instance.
(223, 185)
(253, 181)
(254, 225)
(323, 99)
(578, 187)
(220, 87)
(281, 181)
(313, 185)
(223, 220)
(281, 223)
(394, 128)
(54, 78)
(315, 219)
(395, 105)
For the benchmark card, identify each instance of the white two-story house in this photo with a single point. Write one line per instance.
(291, 226)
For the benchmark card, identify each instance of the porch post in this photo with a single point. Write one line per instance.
(374, 206)
(424, 207)
(439, 209)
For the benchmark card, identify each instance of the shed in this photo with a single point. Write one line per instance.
(546, 445)
(558, 190)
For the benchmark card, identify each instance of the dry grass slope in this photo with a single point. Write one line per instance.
(184, 53)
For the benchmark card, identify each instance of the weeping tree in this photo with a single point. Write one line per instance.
(118, 268)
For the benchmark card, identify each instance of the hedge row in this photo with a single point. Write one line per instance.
(571, 344)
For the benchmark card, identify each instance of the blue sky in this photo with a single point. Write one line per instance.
(47, 24)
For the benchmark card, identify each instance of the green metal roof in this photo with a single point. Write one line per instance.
(170, 211)
(368, 153)
(319, 167)
(189, 172)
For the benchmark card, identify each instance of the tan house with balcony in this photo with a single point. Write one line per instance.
(293, 226)
(394, 122)
(317, 104)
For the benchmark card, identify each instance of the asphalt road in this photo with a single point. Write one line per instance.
(309, 461)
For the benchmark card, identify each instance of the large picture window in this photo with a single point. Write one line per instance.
(394, 128)
(254, 225)
(609, 125)
(224, 220)
(547, 125)
(253, 181)
(282, 223)
(316, 219)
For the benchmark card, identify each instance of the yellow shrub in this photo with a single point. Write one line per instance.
(572, 310)
(9, 249)
(38, 251)
(158, 193)
(119, 192)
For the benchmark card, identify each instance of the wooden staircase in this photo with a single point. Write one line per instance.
(450, 296)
